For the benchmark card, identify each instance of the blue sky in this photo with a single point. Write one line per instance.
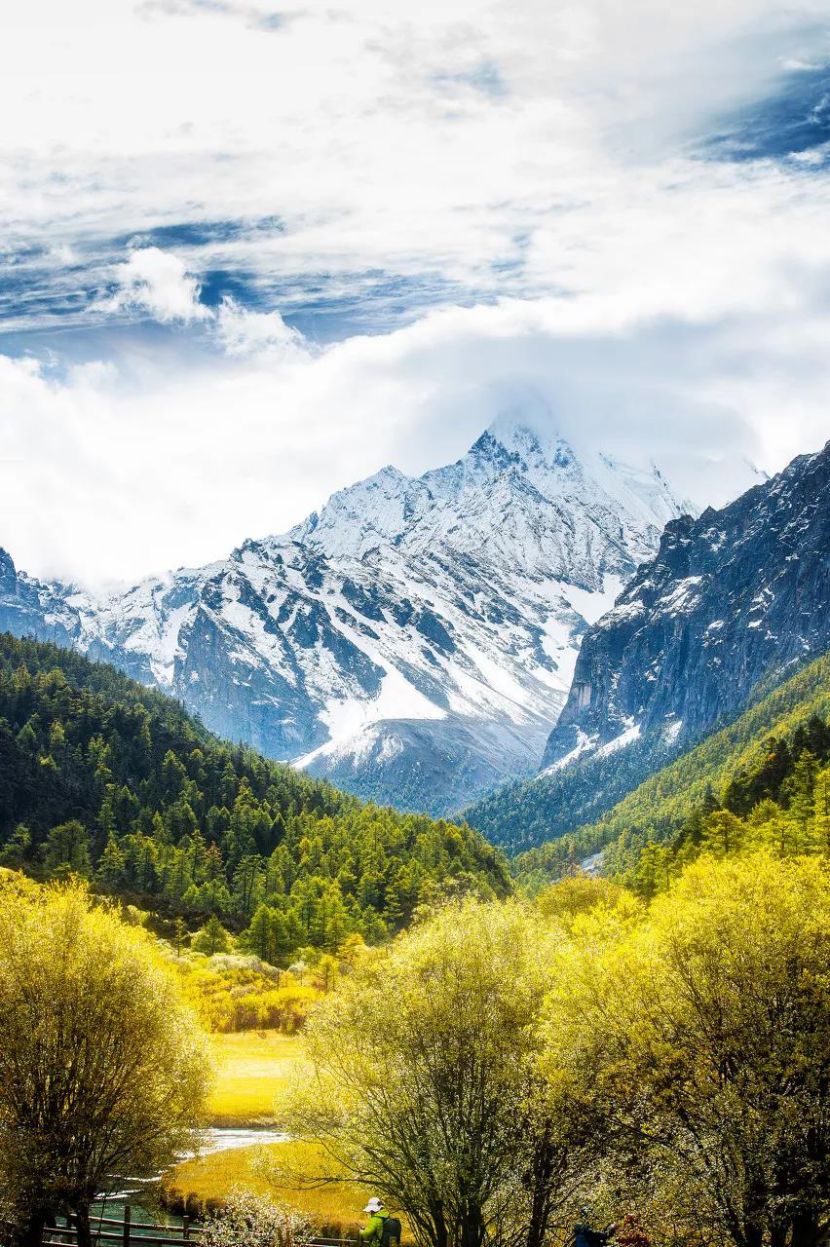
(250, 253)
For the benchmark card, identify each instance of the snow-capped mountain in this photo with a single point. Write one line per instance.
(413, 641)
(737, 597)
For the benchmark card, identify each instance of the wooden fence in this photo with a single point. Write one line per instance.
(131, 1232)
(125, 1231)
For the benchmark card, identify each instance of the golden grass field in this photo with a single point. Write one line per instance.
(254, 1071)
(335, 1207)
(254, 1074)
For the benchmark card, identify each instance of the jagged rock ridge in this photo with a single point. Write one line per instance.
(734, 598)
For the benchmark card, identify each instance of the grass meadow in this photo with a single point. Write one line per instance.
(254, 1073)
(271, 1170)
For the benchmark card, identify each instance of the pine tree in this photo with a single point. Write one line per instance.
(248, 884)
(257, 937)
(110, 872)
(67, 851)
(212, 939)
(799, 793)
(179, 935)
(15, 850)
(821, 809)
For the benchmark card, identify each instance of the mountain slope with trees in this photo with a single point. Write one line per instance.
(116, 783)
(735, 769)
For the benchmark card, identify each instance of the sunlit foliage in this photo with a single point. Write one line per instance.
(102, 1069)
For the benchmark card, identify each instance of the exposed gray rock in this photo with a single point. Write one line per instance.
(733, 598)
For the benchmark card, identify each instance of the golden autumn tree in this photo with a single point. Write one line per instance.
(102, 1069)
(700, 1042)
(427, 1088)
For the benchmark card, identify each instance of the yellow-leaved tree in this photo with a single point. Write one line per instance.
(700, 1046)
(103, 1071)
(427, 1088)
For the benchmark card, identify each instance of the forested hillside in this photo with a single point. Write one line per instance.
(782, 804)
(107, 779)
(526, 814)
(730, 769)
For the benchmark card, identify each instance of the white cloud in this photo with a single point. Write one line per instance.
(181, 467)
(158, 282)
(241, 332)
(357, 126)
(654, 303)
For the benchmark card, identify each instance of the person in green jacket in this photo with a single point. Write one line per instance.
(373, 1231)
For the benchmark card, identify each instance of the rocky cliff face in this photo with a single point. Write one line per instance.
(413, 641)
(29, 608)
(732, 599)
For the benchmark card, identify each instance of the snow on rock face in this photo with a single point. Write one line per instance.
(413, 641)
(732, 598)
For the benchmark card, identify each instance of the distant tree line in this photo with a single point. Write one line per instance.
(105, 780)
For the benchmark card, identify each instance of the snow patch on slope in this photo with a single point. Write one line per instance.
(347, 720)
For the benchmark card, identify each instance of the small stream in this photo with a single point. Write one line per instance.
(215, 1139)
(219, 1139)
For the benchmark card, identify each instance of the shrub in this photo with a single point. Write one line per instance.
(248, 1220)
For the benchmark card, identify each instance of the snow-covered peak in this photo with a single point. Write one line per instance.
(517, 492)
(557, 468)
(527, 442)
(642, 491)
(414, 640)
(357, 519)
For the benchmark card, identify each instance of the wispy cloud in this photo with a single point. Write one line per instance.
(259, 16)
(361, 139)
(242, 332)
(793, 122)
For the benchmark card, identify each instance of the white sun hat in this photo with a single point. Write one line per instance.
(374, 1204)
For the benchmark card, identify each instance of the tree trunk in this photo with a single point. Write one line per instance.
(439, 1235)
(83, 1226)
(472, 1227)
(778, 1235)
(805, 1230)
(30, 1234)
(754, 1236)
(540, 1202)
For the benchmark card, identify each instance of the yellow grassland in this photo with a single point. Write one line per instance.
(254, 1072)
(273, 1170)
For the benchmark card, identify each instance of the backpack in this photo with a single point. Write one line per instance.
(391, 1233)
(584, 1236)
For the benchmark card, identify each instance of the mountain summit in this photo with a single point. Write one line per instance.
(413, 641)
(732, 604)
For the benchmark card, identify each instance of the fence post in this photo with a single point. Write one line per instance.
(185, 1228)
(126, 1230)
